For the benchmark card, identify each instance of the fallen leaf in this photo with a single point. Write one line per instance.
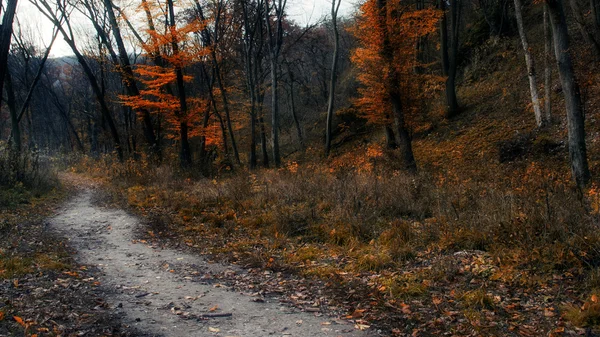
(549, 313)
(362, 326)
(19, 320)
(211, 329)
(405, 308)
(358, 313)
(215, 308)
(1, 315)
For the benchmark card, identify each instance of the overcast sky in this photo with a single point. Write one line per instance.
(301, 11)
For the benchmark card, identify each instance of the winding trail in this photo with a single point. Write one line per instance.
(140, 284)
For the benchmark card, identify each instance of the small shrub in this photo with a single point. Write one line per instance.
(477, 299)
(588, 315)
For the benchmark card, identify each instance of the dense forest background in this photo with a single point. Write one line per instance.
(229, 84)
(435, 162)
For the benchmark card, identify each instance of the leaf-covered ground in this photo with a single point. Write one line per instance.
(42, 290)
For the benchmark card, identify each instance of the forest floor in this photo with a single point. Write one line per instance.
(120, 284)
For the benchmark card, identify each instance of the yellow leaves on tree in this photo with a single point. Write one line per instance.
(387, 57)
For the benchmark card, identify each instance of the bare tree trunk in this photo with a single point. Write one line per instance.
(129, 80)
(275, 43)
(575, 116)
(11, 102)
(37, 77)
(547, 68)
(335, 6)
(263, 133)
(390, 140)
(5, 38)
(403, 138)
(293, 107)
(185, 154)
(444, 38)
(451, 99)
(595, 12)
(46, 9)
(535, 100)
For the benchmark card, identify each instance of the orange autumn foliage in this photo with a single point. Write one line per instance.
(387, 57)
(158, 81)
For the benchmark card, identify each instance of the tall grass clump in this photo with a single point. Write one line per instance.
(24, 174)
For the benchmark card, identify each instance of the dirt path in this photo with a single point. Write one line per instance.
(140, 283)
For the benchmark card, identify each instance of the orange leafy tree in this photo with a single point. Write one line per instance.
(394, 81)
(164, 83)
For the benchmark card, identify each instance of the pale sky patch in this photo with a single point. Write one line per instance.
(301, 11)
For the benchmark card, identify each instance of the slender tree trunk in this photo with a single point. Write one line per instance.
(547, 68)
(595, 12)
(574, 106)
(223, 134)
(12, 109)
(129, 80)
(293, 108)
(5, 38)
(335, 6)
(444, 38)
(217, 68)
(275, 42)
(47, 10)
(275, 112)
(185, 155)
(390, 140)
(403, 138)
(535, 100)
(236, 153)
(451, 99)
(263, 134)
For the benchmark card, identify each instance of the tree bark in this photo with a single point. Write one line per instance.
(390, 140)
(575, 116)
(5, 39)
(11, 102)
(547, 68)
(275, 43)
(185, 155)
(451, 99)
(335, 6)
(535, 100)
(98, 92)
(293, 107)
(129, 80)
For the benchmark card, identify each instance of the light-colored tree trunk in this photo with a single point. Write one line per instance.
(275, 42)
(574, 106)
(535, 100)
(335, 6)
